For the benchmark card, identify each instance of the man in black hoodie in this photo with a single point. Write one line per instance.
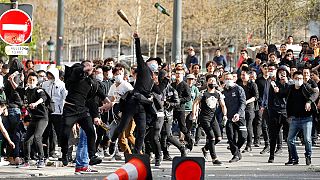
(80, 88)
(138, 103)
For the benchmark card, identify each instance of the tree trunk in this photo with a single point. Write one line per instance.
(138, 17)
(119, 43)
(102, 43)
(201, 48)
(69, 51)
(266, 25)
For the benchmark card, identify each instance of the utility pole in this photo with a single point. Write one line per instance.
(176, 38)
(60, 27)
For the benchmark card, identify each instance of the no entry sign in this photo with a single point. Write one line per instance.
(15, 27)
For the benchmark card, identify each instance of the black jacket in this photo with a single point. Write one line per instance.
(184, 93)
(235, 99)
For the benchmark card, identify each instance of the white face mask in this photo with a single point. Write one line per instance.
(40, 80)
(229, 83)
(32, 86)
(271, 74)
(118, 78)
(110, 75)
(99, 77)
(298, 83)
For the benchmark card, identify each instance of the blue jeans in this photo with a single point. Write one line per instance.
(297, 124)
(82, 157)
(11, 124)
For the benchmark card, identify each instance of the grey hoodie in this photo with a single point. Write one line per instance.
(56, 90)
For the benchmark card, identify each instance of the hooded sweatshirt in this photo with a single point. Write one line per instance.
(56, 90)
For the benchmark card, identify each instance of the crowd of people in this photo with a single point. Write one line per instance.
(105, 108)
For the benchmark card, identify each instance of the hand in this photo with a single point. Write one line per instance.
(236, 118)
(194, 116)
(97, 121)
(224, 121)
(307, 107)
(276, 89)
(105, 107)
(12, 144)
(289, 119)
(32, 105)
(135, 35)
(261, 109)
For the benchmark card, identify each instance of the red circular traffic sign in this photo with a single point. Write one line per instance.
(15, 27)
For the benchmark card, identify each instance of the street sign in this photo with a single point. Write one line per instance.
(15, 27)
(17, 50)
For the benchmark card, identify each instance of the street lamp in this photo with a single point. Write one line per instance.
(50, 44)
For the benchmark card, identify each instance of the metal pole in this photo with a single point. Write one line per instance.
(60, 27)
(176, 38)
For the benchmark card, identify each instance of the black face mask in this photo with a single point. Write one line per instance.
(212, 86)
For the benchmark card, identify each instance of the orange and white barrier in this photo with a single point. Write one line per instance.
(134, 169)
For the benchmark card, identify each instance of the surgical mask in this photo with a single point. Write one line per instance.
(173, 78)
(131, 79)
(32, 86)
(271, 74)
(118, 78)
(298, 83)
(153, 67)
(229, 83)
(99, 77)
(212, 86)
(110, 76)
(40, 80)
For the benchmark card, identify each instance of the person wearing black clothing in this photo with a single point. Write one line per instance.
(14, 101)
(300, 117)
(208, 105)
(259, 121)
(81, 87)
(264, 54)
(252, 95)
(235, 100)
(277, 101)
(171, 100)
(34, 99)
(179, 111)
(137, 104)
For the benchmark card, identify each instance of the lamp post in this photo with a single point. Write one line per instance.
(50, 44)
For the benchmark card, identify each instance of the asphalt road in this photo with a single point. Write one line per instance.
(252, 166)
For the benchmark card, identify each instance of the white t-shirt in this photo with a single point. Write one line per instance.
(117, 92)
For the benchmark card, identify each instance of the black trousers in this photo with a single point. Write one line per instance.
(34, 134)
(212, 129)
(181, 118)
(264, 126)
(51, 136)
(257, 126)
(249, 120)
(237, 134)
(156, 130)
(166, 136)
(135, 110)
(275, 124)
(85, 122)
